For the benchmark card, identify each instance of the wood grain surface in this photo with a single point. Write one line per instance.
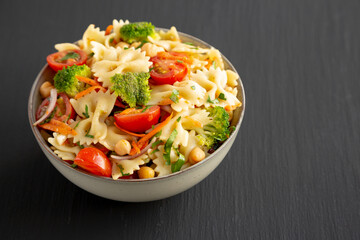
(293, 172)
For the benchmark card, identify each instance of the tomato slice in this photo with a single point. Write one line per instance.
(57, 61)
(64, 109)
(93, 160)
(135, 120)
(169, 67)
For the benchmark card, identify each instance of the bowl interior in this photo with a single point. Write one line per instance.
(47, 74)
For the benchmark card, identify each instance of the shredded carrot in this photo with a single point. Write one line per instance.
(167, 101)
(135, 149)
(89, 90)
(87, 80)
(143, 140)
(108, 29)
(128, 132)
(58, 126)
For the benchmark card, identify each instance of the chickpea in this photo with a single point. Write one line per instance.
(122, 147)
(122, 44)
(45, 89)
(151, 50)
(146, 172)
(196, 155)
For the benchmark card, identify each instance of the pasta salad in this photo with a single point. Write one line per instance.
(134, 102)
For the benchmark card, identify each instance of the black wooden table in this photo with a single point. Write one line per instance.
(293, 172)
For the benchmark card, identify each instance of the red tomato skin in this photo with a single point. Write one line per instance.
(174, 71)
(94, 161)
(56, 66)
(138, 122)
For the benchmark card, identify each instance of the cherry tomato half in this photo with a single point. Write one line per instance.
(135, 120)
(64, 110)
(168, 68)
(93, 160)
(57, 61)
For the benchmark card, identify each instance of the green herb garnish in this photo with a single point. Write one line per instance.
(189, 43)
(215, 101)
(158, 134)
(176, 166)
(175, 96)
(81, 146)
(73, 165)
(125, 48)
(69, 55)
(146, 108)
(151, 69)
(155, 144)
(179, 118)
(86, 113)
(193, 87)
(91, 54)
(222, 96)
(50, 117)
(154, 151)
(88, 135)
(214, 64)
(179, 61)
(196, 48)
(121, 170)
(111, 40)
(168, 145)
(77, 124)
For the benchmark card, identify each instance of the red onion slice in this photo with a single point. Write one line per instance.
(50, 108)
(166, 108)
(128, 157)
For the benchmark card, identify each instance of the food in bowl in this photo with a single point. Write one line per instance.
(133, 102)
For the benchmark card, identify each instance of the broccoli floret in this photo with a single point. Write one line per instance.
(133, 88)
(217, 130)
(65, 80)
(136, 32)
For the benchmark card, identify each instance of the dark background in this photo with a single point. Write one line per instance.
(293, 172)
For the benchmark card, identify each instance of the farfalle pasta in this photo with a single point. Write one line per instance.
(132, 102)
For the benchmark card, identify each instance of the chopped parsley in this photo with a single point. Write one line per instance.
(214, 64)
(121, 170)
(151, 69)
(155, 144)
(222, 96)
(86, 113)
(125, 48)
(176, 166)
(179, 118)
(189, 43)
(175, 96)
(146, 108)
(70, 55)
(73, 165)
(88, 135)
(77, 124)
(193, 87)
(154, 151)
(158, 134)
(196, 48)
(81, 146)
(91, 54)
(215, 101)
(168, 145)
(179, 61)
(111, 40)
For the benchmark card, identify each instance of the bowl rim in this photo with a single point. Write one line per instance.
(44, 145)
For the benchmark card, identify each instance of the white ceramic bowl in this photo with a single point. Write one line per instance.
(136, 190)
